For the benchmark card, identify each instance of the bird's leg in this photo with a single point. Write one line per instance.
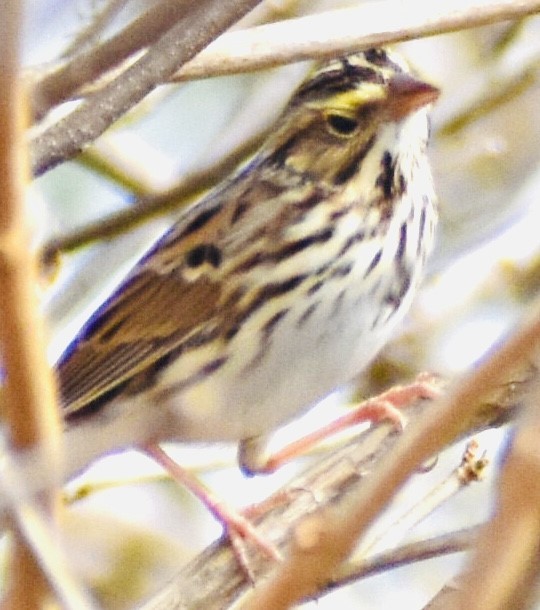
(237, 527)
(385, 406)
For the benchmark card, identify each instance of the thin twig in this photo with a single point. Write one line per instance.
(471, 469)
(317, 36)
(506, 557)
(64, 81)
(345, 30)
(98, 22)
(205, 21)
(89, 65)
(144, 208)
(406, 554)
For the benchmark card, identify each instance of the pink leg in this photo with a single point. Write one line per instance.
(383, 407)
(234, 523)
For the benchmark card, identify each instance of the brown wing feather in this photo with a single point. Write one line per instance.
(152, 312)
(134, 330)
(159, 306)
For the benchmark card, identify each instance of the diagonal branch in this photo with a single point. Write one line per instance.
(316, 36)
(331, 33)
(460, 411)
(88, 65)
(174, 198)
(205, 21)
(214, 581)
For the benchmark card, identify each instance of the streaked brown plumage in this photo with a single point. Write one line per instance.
(276, 288)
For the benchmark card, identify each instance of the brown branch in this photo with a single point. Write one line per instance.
(506, 558)
(325, 540)
(89, 65)
(146, 207)
(213, 579)
(205, 21)
(343, 31)
(309, 37)
(407, 554)
(28, 395)
(86, 66)
(317, 36)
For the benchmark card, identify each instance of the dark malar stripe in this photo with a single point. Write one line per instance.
(385, 180)
(352, 168)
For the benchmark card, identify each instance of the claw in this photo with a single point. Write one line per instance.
(386, 406)
(236, 526)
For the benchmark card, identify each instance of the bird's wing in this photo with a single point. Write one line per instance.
(155, 310)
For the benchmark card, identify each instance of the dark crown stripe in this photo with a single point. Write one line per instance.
(339, 80)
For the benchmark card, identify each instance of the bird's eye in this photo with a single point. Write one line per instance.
(341, 125)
